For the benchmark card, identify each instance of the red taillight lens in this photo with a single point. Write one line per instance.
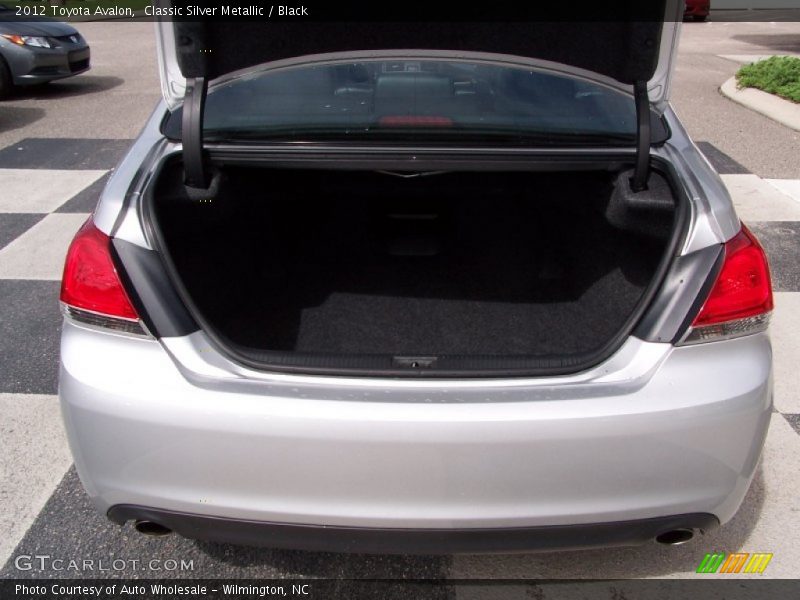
(743, 288)
(740, 302)
(90, 280)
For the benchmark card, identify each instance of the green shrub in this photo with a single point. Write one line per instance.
(778, 75)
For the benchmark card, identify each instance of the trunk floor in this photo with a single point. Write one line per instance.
(365, 322)
(452, 265)
(358, 324)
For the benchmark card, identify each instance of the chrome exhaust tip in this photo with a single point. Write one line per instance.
(151, 529)
(675, 537)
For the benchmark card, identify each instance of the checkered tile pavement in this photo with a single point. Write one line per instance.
(48, 187)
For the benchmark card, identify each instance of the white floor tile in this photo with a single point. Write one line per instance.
(790, 187)
(785, 333)
(41, 190)
(33, 458)
(39, 252)
(757, 200)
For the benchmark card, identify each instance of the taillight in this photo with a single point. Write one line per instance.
(91, 290)
(740, 301)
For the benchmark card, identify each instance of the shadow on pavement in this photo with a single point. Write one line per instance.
(766, 15)
(328, 564)
(16, 117)
(65, 88)
(778, 42)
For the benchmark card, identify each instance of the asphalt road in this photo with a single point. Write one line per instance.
(766, 148)
(112, 102)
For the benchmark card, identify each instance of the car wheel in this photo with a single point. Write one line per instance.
(700, 18)
(6, 83)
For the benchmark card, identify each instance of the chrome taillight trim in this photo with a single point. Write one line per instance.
(726, 331)
(105, 323)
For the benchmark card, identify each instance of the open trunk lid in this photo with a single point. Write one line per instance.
(633, 53)
(640, 48)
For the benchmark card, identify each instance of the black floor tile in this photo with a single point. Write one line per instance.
(723, 163)
(63, 153)
(13, 225)
(30, 325)
(781, 240)
(794, 421)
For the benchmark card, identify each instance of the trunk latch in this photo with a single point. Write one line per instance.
(414, 362)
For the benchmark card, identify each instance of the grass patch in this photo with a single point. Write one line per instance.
(779, 75)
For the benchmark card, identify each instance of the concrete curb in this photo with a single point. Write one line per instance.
(780, 110)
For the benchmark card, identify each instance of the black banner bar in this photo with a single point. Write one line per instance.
(709, 587)
(366, 11)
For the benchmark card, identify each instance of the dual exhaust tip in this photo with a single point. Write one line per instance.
(674, 537)
(151, 529)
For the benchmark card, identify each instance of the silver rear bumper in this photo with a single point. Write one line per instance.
(681, 436)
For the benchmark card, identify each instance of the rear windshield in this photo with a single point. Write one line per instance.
(417, 101)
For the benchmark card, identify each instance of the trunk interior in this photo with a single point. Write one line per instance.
(460, 270)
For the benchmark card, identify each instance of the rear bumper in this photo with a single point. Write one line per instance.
(681, 437)
(412, 541)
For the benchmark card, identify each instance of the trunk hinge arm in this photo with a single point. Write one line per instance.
(199, 180)
(643, 137)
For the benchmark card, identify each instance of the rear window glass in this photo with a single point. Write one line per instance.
(417, 100)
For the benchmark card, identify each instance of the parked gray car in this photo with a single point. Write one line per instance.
(417, 287)
(37, 50)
